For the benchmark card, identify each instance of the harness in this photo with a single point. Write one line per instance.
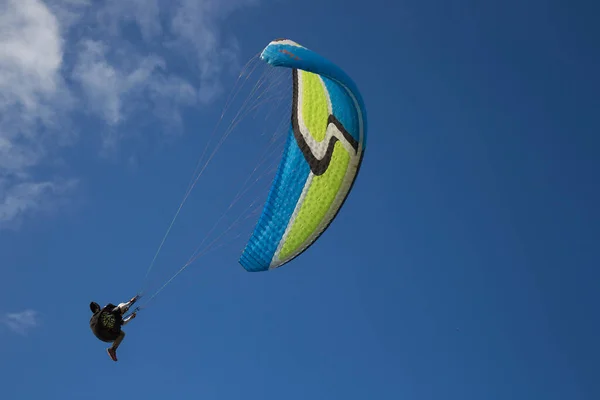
(106, 325)
(108, 320)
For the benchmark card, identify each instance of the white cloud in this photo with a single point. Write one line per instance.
(33, 99)
(135, 72)
(100, 81)
(114, 92)
(30, 53)
(144, 13)
(195, 26)
(60, 58)
(20, 199)
(21, 322)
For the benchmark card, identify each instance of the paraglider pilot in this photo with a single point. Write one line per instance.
(106, 323)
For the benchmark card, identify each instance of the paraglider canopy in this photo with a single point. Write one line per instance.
(321, 160)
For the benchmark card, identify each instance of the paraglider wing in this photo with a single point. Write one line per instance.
(320, 162)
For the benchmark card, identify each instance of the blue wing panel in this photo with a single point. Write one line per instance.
(289, 181)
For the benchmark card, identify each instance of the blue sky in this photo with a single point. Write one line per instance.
(463, 266)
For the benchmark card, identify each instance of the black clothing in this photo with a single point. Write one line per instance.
(106, 322)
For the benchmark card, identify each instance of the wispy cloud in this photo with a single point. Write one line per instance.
(133, 82)
(27, 196)
(66, 58)
(21, 322)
